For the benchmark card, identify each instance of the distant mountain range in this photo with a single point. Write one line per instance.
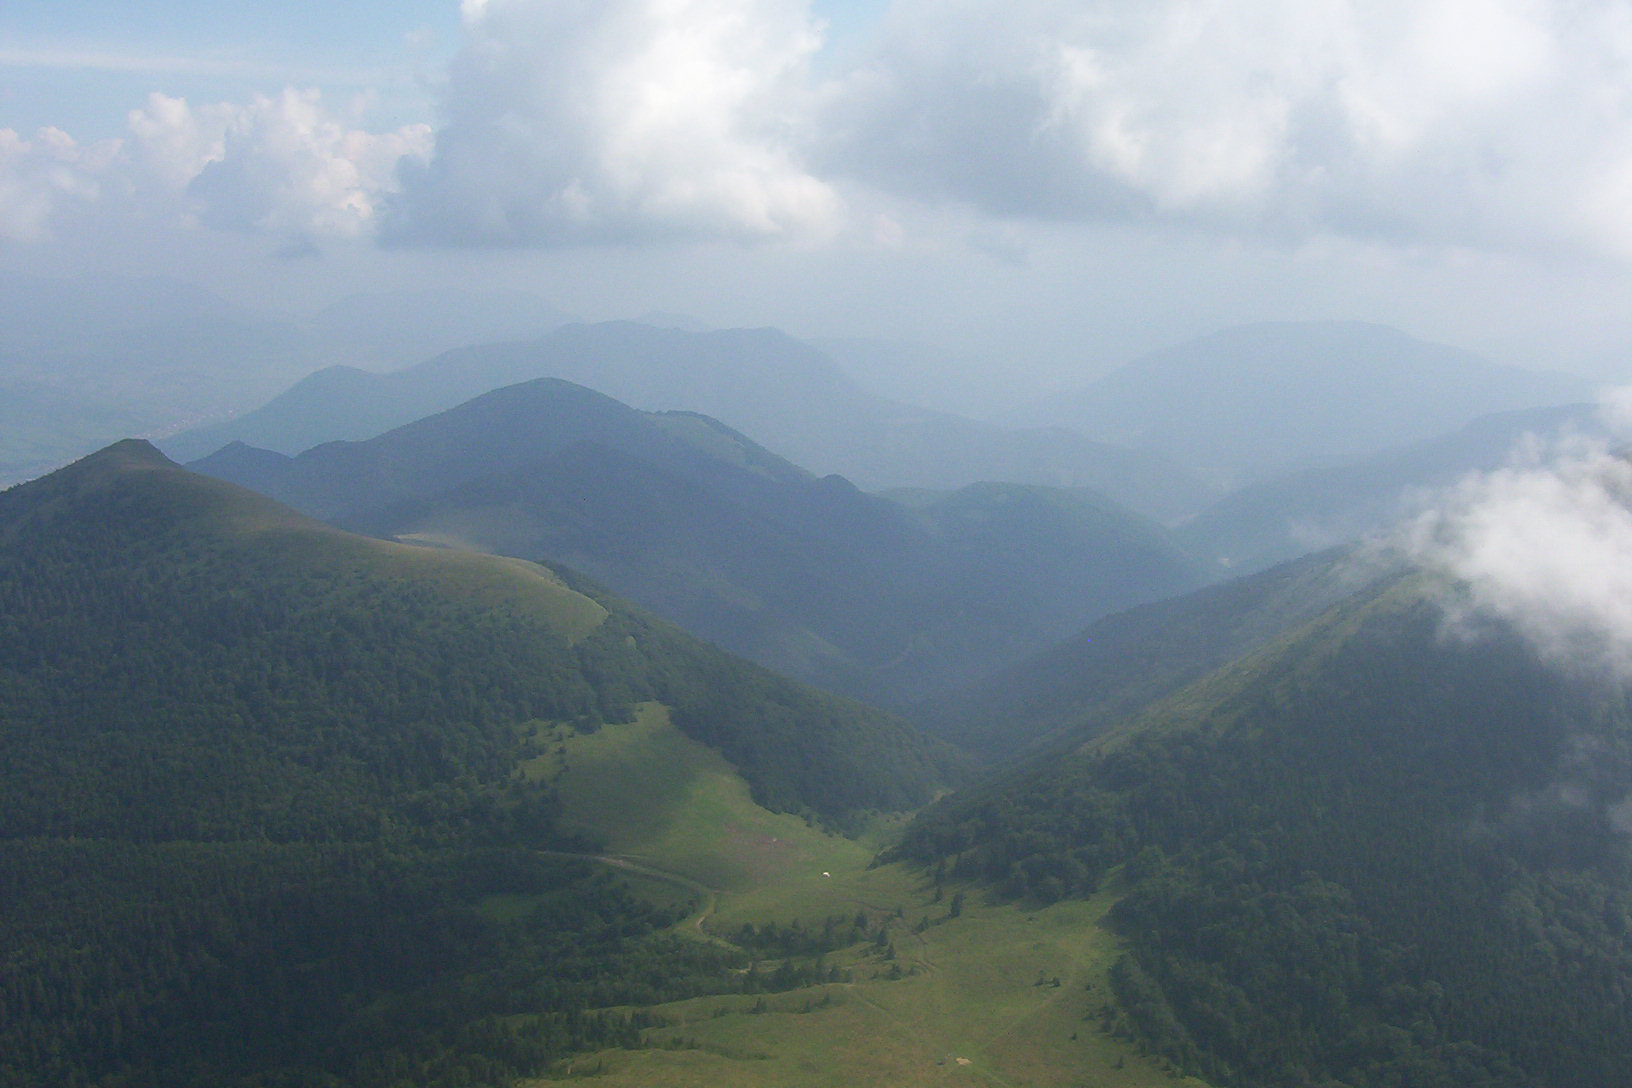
(87, 361)
(425, 729)
(855, 592)
(1266, 523)
(1256, 401)
(764, 383)
(1287, 830)
(958, 382)
(1068, 694)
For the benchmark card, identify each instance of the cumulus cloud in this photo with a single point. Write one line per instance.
(1492, 124)
(595, 120)
(1479, 122)
(1545, 545)
(283, 165)
(43, 176)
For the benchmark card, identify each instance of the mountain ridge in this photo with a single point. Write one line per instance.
(808, 575)
(777, 390)
(1254, 401)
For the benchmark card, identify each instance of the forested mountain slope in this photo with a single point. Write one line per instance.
(1367, 854)
(870, 597)
(262, 815)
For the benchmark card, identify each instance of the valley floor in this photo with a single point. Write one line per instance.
(978, 993)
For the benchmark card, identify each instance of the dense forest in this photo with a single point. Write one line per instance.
(1369, 855)
(261, 816)
(264, 823)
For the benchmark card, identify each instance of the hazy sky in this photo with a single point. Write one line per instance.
(1055, 184)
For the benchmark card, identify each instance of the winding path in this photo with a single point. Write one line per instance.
(710, 896)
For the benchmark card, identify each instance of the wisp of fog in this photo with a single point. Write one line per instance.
(1545, 544)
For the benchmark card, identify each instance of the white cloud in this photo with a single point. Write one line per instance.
(172, 142)
(43, 177)
(1491, 123)
(1544, 545)
(1503, 126)
(594, 120)
(283, 166)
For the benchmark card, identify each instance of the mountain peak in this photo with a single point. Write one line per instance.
(127, 453)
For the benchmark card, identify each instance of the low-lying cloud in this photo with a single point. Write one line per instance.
(1544, 545)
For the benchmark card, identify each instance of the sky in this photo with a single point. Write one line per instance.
(1047, 186)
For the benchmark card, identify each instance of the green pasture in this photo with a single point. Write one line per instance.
(998, 995)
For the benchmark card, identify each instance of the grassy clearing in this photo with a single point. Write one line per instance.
(976, 1000)
(497, 582)
(659, 798)
(469, 577)
(977, 1005)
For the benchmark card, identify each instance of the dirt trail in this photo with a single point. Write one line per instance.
(710, 896)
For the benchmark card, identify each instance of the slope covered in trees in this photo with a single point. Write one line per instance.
(691, 519)
(1368, 854)
(262, 815)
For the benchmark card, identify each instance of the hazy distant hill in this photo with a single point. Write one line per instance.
(1364, 854)
(1278, 519)
(692, 519)
(271, 807)
(389, 330)
(86, 361)
(1067, 694)
(775, 389)
(1256, 401)
(962, 383)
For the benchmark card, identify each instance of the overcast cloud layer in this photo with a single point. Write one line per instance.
(1493, 124)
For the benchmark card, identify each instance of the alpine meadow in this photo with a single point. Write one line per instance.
(816, 544)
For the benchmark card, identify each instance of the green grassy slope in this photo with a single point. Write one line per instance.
(977, 985)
